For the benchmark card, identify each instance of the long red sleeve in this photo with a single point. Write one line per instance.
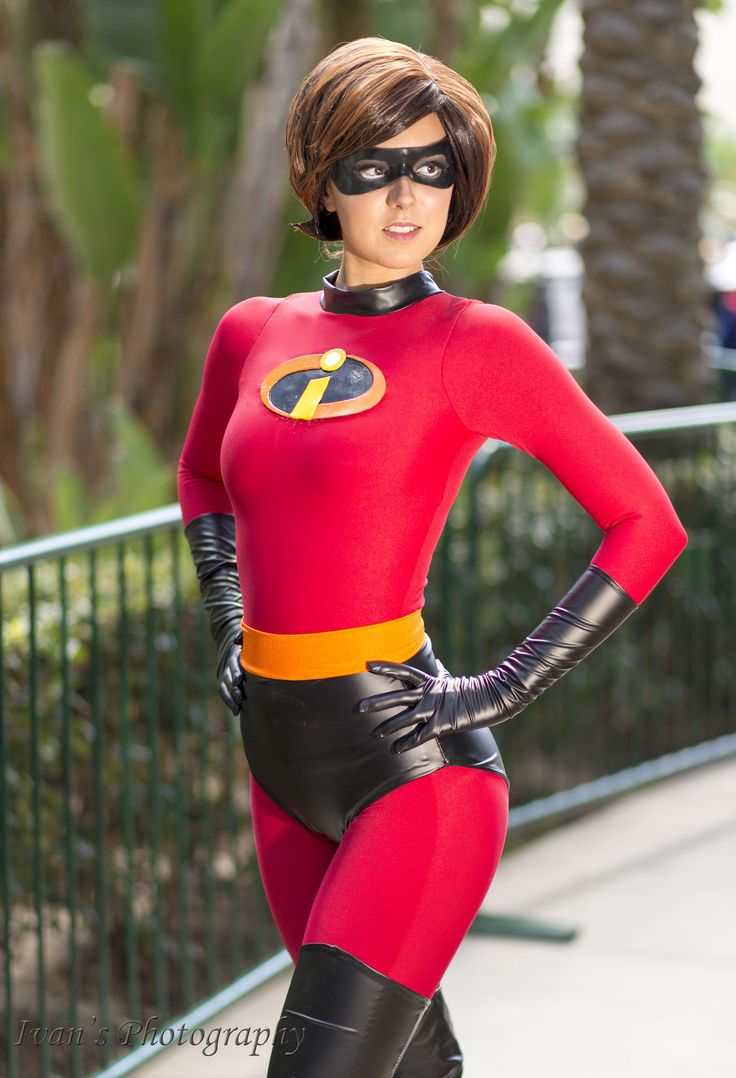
(505, 382)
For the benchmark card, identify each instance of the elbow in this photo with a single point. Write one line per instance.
(668, 537)
(677, 536)
(182, 475)
(181, 480)
(671, 540)
(186, 492)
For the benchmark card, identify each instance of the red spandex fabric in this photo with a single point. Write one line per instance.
(402, 888)
(336, 522)
(337, 518)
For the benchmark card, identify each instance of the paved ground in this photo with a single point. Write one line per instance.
(647, 989)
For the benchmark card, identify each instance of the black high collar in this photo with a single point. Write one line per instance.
(383, 299)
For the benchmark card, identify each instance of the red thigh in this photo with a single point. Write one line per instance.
(411, 872)
(292, 861)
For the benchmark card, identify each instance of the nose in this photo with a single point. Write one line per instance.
(401, 192)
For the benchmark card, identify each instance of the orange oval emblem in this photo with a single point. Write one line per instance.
(324, 385)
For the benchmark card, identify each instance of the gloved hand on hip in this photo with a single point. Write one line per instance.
(436, 706)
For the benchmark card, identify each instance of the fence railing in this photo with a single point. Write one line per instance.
(130, 884)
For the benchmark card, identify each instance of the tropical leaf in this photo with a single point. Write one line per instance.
(232, 51)
(183, 25)
(488, 57)
(140, 478)
(91, 183)
(229, 58)
(126, 31)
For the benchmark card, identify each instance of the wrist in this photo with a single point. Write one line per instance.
(594, 607)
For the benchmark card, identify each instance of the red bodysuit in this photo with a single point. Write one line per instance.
(337, 518)
(340, 483)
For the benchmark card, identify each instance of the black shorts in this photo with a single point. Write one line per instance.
(312, 752)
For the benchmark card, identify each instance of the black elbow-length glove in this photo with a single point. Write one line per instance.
(590, 611)
(211, 539)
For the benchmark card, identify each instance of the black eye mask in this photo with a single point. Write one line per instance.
(376, 167)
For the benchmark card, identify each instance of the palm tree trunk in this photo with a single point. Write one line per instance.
(640, 153)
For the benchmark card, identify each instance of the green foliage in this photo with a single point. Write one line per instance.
(198, 55)
(408, 20)
(231, 52)
(90, 181)
(140, 479)
(11, 523)
(182, 27)
(489, 56)
(301, 265)
(126, 31)
(229, 57)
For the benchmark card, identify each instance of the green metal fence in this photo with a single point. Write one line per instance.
(130, 884)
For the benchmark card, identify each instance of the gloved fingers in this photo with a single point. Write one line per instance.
(226, 696)
(232, 683)
(384, 700)
(409, 717)
(234, 668)
(418, 736)
(442, 671)
(401, 671)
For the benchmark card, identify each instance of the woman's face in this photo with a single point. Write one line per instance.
(372, 254)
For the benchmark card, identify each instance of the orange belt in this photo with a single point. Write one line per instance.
(300, 656)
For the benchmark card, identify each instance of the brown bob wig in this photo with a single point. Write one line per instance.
(365, 92)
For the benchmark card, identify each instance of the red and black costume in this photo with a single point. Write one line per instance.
(335, 428)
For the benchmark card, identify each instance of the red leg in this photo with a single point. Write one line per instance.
(411, 872)
(292, 862)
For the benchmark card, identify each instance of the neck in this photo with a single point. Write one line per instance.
(353, 277)
(379, 298)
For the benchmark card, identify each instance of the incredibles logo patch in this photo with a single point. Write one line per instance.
(323, 386)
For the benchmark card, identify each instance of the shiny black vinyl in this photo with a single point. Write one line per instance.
(312, 752)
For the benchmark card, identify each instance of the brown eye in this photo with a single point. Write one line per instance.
(370, 170)
(436, 167)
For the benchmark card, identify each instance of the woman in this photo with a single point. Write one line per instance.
(334, 427)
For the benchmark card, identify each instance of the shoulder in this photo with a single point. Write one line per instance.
(248, 316)
(493, 322)
(487, 333)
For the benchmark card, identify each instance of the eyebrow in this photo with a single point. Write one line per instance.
(378, 156)
(427, 146)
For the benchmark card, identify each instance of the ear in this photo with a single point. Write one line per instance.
(327, 200)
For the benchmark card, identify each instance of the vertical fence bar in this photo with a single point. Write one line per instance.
(208, 836)
(235, 952)
(131, 927)
(36, 800)
(181, 748)
(8, 887)
(100, 817)
(725, 575)
(154, 779)
(70, 836)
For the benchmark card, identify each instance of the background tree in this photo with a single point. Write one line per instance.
(640, 153)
